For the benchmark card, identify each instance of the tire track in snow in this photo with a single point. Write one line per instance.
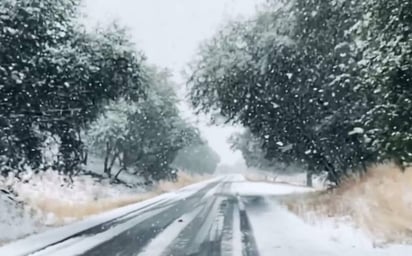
(158, 245)
(228, 228)
(98, 229)
(190, 239)
(236, 234)
(107, 229)
(222, 228)
(210, 222)
(82, 246)
(248, 239)
(213, 231)
(133, 240)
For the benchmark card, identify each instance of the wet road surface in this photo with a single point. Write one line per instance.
(212, 221)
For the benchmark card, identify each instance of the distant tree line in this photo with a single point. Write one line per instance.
(146, 137)
(197, 159)
(84, 90)
(326, 84)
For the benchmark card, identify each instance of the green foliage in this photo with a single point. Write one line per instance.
(55, 77)
(58, 80)
(386, 36)
(253, 152)
(328, 80)
(144, 136)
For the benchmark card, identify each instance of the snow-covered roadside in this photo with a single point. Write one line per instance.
(13, 215)
(48, 199)
(278, 231)
(298, 178)
(379, 203)
(32, 243)
(266, 189)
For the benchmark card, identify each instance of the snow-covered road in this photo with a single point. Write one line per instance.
(224, 216)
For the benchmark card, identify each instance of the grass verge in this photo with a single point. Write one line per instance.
(54, 202)
(379, 203)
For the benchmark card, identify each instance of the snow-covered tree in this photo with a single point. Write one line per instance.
(55, 77)
(385, 41)
(143, 136)
(327, 79)
(197, 158)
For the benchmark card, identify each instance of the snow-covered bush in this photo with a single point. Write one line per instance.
(15, 217)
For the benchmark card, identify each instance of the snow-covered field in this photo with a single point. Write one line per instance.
(278, 230)
(48, 199)
(379, 203)
(281, 232)
(14, 219)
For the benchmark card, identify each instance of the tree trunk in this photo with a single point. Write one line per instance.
(118, 173)
(399, 163)
(106, 160)
(309, 181)
(121, 159)
(85, 156)
(115, 156)
(364, 168)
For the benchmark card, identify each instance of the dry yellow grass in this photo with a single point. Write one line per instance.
(64, 210)
(379, 202)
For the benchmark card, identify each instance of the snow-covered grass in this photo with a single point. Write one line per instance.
(54, 200)
(379, 203)
(298, 179)
(13, 215)
(278, 232)
(266, 189)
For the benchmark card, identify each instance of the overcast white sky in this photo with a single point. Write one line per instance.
(169, 33)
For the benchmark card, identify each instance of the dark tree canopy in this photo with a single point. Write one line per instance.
(146, 136)
(59, 82)
(320, 78)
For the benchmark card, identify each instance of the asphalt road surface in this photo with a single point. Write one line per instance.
(205, 220)
(204, 224)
